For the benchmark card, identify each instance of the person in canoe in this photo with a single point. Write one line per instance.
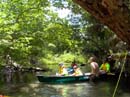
(77, 71)
(62, 70)
(71, 69)
(94, 67)
(105, 67)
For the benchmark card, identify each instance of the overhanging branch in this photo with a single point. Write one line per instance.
(115, 14)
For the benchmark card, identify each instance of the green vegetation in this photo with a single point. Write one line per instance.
(66, 57)
(31, 32)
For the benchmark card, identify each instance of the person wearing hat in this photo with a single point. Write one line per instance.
(62, 70)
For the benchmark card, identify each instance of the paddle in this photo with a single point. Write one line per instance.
(83, 64)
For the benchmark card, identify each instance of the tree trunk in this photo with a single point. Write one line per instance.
(113, 13)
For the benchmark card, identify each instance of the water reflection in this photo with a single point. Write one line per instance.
(70, 90)
(33, 88)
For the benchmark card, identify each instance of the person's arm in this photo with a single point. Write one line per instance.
(92, 68)
(80, 72)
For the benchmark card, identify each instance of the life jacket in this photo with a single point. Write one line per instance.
(63, 71)
(105, 67)
(78, 72)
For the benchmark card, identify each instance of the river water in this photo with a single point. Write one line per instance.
(29, 86)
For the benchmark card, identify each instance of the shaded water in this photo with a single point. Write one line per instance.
(31, 87)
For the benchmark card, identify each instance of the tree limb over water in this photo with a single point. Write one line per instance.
(113, 13)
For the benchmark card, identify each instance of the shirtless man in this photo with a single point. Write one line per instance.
(94, 67)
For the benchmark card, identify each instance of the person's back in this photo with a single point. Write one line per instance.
(94, 66)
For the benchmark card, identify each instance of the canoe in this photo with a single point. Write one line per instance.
(105, 77)
(73, 79)
(62, 79)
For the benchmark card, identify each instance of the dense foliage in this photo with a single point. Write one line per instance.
(31, 31)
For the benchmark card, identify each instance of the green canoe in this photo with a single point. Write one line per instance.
(74, 79)
(62, 79)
